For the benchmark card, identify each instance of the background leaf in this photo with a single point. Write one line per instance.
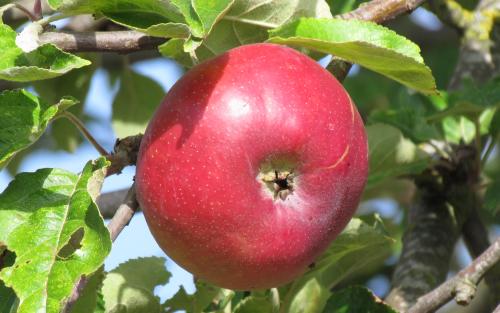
(492, 197)
(23, 119)
(391, 154)
(135, 103)
(356, 299)
(129, 287)
(75, 83)
(355, 248)
(50, 221)
(206, 298)
(259, 301)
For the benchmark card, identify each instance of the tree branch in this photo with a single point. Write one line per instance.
(125, 154)
(452, 13)
(475, 236)
(124, 214)
(476, 60)
(461, 198)
(380, 11)
(110, 201)
(463, 285)
(125, 41)
(442, 203)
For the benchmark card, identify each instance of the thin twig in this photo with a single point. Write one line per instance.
(476, 239)
(37, 9)
(463, 285)
(109, 202)
(25, 11)
(78, 124)
(124, 214)
(121, 219)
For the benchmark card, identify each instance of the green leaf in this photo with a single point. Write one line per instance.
(259, 301)
(88, 299)
(209, 12)
(492, 197)
(356, 299)
(458, 129)
(173, 19)
(46, 61)
(49, 219)
(23, 119)
(73, 6)
(135, 103)
(174, 49)
(391, 154)
(246, 22)
(130, 287)
(168, 30)
(486, 118)
(207, 297)
(365, 43)
(358, 246)
(190, 16)
(201, 16)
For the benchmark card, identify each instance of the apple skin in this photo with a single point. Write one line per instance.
(201, 163)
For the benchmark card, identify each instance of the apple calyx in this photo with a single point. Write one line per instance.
(277, 177)
(280, 183)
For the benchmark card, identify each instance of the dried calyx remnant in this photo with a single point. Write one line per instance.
(277, 176)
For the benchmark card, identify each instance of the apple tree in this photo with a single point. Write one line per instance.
(427, 196)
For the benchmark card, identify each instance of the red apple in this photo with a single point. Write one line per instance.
(253, 163)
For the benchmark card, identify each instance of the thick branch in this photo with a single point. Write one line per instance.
(427, 247)
(380, 11)
(110, 41)
(463, 285)
(442, 202)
